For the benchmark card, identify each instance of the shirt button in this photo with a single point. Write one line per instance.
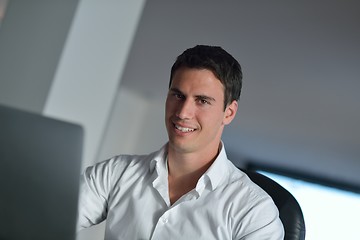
(165, 220)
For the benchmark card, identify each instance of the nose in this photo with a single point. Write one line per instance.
(185, 110)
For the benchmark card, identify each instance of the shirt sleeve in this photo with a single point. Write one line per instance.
(262, 222)
(273, 230)
(93, 197)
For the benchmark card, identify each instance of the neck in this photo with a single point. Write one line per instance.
(185, 170)
(191, 165)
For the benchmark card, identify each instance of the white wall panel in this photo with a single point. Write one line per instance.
(91, 66)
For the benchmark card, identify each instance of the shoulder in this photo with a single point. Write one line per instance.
(243, 187)
(252, 206)
(118, 165)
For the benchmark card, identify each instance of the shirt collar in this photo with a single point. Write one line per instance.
(216, 172)
(211, 178)
(158, 161)
(158, 169)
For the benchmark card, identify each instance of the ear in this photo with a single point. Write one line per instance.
(230, 112)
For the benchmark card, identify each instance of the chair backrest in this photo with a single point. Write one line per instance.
(289, 209)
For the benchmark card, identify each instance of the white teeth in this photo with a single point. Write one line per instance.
(184, 129)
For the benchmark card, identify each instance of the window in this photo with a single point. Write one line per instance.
(330, 213)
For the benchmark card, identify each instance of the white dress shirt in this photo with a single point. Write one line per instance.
(131, 193)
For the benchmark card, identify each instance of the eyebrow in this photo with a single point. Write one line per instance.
(175, 90)
(202, 97)
(207, 98)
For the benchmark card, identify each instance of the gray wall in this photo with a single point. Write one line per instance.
(299, 107)
(32, 36)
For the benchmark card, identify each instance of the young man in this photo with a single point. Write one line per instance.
(188, 189)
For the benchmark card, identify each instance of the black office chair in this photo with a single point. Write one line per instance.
(289, 209)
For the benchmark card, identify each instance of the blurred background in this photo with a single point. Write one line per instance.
(106, 65)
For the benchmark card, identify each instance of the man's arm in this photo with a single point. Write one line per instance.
(93, 196)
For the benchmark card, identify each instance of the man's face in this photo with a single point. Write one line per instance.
(195, 115)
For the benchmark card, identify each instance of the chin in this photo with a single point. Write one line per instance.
(181, 146)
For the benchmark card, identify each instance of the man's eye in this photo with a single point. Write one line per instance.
(203, 101)
(179, 96)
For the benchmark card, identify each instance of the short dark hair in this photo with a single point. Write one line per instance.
(223, 65)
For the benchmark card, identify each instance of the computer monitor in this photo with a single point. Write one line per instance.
(40, 164)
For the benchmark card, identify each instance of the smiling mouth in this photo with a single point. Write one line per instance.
(184, 129)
